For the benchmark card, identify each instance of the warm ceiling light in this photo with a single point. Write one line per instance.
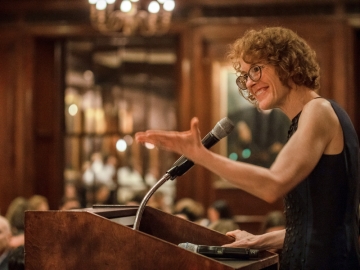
(130, 17)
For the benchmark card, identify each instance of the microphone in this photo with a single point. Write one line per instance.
(182, 165)
(221, 130)
(221, 252)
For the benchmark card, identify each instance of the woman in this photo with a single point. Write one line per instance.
(317, 170)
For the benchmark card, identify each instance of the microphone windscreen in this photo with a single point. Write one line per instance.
(189, 246)
(223, 128)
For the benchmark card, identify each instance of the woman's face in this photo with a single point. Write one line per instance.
(268, 90)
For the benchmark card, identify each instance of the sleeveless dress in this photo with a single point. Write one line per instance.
(322, 211)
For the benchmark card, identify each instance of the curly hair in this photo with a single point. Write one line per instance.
(291, 56)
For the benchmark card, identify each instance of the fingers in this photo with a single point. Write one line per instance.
(166, 140)
(233, 244)
(143, 137)
(194, 123)
(195, 131)
(164, 137)
(233, 233)
(139, 136)
(241, 239)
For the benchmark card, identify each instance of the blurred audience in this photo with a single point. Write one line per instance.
(74, 191)
(191, 210)
(68, 203)
(187, 214)
(130, 181)
(220, 217)
(167, 189)
(157, 200)
(38, 203)
(96, 174)
(102, 194)
(274, 220)
(5, 237)
(16, 215)
(136, 199)
(16, 259)
(70, 190)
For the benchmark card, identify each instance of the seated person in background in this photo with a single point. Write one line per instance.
(69, 203)
(5, 237)
(275, 220)
(157, 200)
(136, 199)
(220, 217)
(187, 214)
(15, 214)
(102, 194)
(16, 259)
(130, 181)
(191, 210)
(38, 203)
(167, 189)
(75, 189)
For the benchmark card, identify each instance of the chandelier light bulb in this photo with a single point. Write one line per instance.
(154, 7)
(101, 5)
(169, 5)
(125, 6)
(129, 18)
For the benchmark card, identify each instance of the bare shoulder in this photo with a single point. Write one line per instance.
(321, 117)
(320, 111)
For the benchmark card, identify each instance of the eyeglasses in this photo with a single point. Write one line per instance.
(254, 74)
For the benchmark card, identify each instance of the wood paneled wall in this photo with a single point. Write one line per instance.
(31, 96)
(32, 127)
(16, 156)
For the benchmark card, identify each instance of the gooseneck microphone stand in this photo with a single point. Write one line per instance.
(182, 165)
(170, 174)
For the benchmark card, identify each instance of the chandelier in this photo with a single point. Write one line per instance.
(130, 17)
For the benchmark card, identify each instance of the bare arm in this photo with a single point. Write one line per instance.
(317, 129)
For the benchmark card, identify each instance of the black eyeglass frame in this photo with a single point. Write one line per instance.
(247, 75)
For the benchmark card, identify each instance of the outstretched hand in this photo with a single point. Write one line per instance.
(185, 143)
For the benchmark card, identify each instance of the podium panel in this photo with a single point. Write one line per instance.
(103, 238)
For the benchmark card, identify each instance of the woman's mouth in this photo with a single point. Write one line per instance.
(259, 92)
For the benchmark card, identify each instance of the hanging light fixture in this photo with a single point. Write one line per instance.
(131, 17)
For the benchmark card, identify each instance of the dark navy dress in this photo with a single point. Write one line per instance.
(322, 211)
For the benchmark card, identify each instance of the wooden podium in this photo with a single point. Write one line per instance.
(102, 238)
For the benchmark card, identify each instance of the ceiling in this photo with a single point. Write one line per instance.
(77, 11)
